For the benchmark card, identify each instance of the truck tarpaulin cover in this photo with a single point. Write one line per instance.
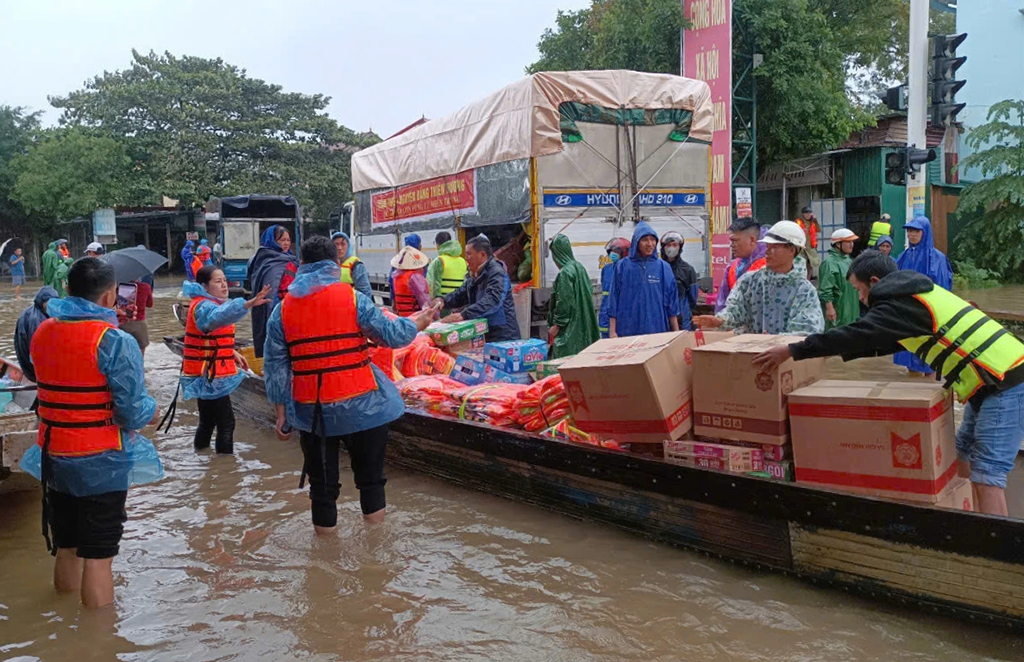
(521, 121)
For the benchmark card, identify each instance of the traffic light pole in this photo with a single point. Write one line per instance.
(917, 101)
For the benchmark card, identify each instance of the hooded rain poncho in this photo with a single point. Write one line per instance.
(643, 296)
(360, 278)
(362, 412)
(767, 302)
(925, 259)
(211, 315)
(137, 461)
(834, 288)
(60, 276)
(572, 303)
(28, 322)
(50, 262)
(885, 239)
(187, 257)
(266, 267)
(451, 248)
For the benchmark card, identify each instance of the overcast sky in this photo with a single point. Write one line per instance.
(384, 63)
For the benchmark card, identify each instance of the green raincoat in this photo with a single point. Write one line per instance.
(835, 288)
(50, 262)
(60, 276)
(451, 248)
(572, 303)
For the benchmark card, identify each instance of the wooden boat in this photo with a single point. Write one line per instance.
(966, 565)
(17, 430)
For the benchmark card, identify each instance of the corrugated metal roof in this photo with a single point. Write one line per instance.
(891, 132)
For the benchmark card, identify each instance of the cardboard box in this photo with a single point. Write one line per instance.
(890, 439)
(732, 465)
(456, 332)
(959, 497)
(771, 452)
(548, 368)
(777, 470)
(473, 345)
(733, 401)
(635, 389)
(720, 451)
(515, 356)
(469, 369)
(492, 374)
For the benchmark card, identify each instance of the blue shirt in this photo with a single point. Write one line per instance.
(17, 265)
(212, 314)
(363, 412)
(120, 361)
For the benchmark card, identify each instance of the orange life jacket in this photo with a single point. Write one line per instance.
(404, 301)
(75, 404)
(209, 355)
(810, 229)
(734, 267)
(328, 351)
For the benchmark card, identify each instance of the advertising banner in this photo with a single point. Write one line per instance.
(707, 56)
(433, 198)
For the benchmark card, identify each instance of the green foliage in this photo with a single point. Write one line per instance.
(72, 172)
(201, 127)
(995, 240)
(969, 276)
(17, 130)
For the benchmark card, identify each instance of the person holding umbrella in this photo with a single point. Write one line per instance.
(210, 366)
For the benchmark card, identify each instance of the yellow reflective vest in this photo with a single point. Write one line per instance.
(453, 274)
(878, 230)
(346, 269)
(969, 349)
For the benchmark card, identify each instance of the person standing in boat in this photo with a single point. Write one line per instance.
(321, 381)
(88, 451)
(210, 365)
(486, 293)
(274, 264)
(353, 271)
(980, 360)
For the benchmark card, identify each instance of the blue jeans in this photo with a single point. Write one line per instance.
(990, 436)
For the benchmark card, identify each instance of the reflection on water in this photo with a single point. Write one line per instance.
(218, 562)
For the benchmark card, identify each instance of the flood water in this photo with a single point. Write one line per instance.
(219, 562)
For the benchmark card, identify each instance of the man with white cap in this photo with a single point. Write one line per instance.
(95, 249)
(777, 299)
(838, 298)
(411, 292)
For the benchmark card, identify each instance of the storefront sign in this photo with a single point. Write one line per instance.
(707, 56)
(744, 203)
(433, 198)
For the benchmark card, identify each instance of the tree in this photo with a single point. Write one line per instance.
(821, 57)
(995, 240)
(72, 172)
(17, 130)
(202, 127)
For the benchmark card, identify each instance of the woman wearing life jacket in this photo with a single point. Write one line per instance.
(410, 293)
(274, 264)
(201, 259)
(353, 271)
(210, 368)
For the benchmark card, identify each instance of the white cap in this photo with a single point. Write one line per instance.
(785, 232)
(94, 247)
(843, 234)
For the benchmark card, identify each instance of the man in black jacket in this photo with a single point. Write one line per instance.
(486, 293)
(981, 361)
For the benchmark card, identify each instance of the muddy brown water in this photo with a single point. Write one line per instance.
(218, 562)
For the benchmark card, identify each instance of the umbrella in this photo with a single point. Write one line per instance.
(133, 263)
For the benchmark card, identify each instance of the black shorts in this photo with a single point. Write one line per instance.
(92, 524)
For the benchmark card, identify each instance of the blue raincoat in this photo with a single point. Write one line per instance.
(414, 241)
(363, 412)
(925, 259)
(360, 278)
(607, 273)
(28, 322)
(186, 255)
(211, 315)
(643, 295)
(137, 462)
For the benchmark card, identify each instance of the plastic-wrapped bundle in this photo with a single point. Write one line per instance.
(406, 358)
(495, 404)
(564, 431)
(543, 404)
(434, 393)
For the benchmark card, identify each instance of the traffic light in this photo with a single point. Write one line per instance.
(944, 86)
(895, 98)
(905, 161)
(896, 168)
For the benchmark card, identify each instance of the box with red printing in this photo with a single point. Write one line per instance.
(728, 463)
(891, 439)
(720, 451)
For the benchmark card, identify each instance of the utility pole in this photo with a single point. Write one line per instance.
(917, 102)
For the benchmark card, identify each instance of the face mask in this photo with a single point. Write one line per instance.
(671, 252)
(614, 257)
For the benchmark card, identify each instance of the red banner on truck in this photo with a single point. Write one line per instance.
(433, 198)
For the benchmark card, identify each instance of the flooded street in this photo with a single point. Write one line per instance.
(219, 562)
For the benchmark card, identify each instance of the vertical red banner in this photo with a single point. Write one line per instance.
(707, 56)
